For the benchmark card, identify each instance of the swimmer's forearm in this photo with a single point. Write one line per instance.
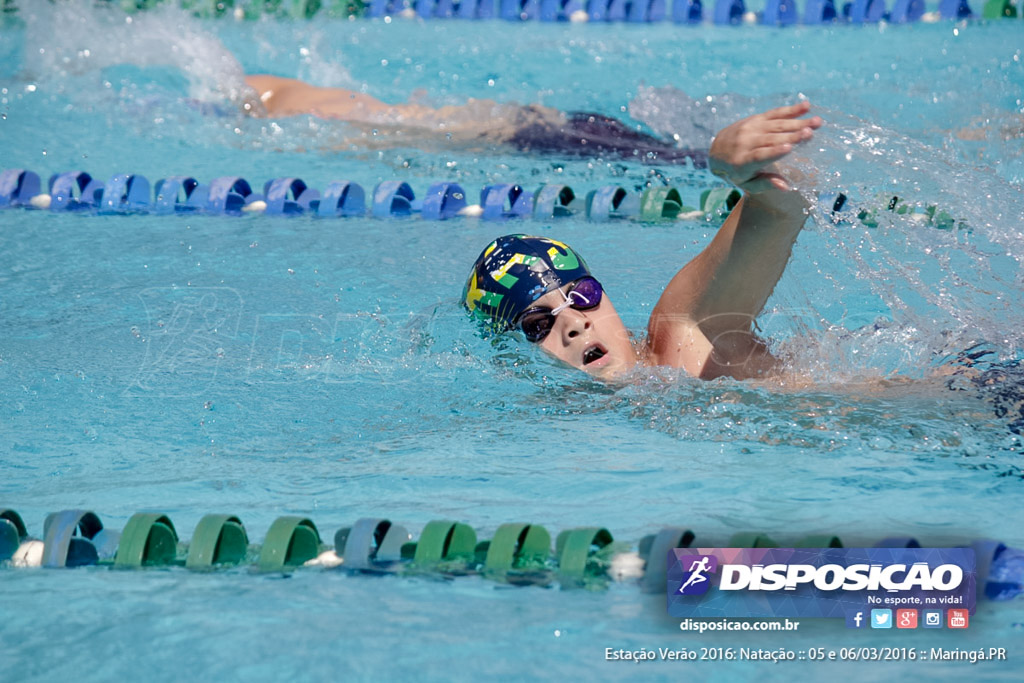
(730, 281)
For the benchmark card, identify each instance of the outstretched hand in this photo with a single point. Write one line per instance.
(745, 151)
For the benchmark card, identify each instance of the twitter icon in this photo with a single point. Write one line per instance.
(881, 618)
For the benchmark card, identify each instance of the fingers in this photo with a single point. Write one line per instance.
(793, 138)
(789, 111)
(788, 125)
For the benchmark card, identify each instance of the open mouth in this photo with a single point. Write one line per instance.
(594, 353)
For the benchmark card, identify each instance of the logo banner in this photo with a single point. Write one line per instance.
(816, 582)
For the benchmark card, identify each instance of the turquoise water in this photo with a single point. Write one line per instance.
(264, 366)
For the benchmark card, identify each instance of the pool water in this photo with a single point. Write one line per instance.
(266, 366)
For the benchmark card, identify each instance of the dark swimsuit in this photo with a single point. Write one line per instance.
(594, 135)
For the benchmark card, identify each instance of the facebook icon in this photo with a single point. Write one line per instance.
(855, 619)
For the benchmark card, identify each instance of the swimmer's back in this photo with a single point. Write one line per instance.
(290, 97)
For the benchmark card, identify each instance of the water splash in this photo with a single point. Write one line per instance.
(689, 121)
(947, 284)
(70, 41)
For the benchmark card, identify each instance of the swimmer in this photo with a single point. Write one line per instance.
(532, 128)
(704, 320)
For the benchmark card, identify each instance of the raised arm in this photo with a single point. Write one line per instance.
(704, 319)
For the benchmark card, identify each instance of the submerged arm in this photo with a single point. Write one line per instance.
(703, 321)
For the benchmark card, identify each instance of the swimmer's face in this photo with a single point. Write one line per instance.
(594, 340)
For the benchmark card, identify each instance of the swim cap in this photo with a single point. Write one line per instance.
(516, 270)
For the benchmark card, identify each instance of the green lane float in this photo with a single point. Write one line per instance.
(660, 204)
(574, 548)
(751, 539)
(518, 546)
(819, 541)
(148, 540)
(898, 542)
(291, 542)
(219, 540)
(444, 541)
(999, 9)
(12, 533)
(930, 214)
(719, 201)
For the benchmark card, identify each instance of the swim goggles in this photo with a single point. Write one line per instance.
(584, 294)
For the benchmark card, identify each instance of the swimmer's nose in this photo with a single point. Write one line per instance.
(574, 323)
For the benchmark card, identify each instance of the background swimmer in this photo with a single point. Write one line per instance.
(704, 320)
(531, 128)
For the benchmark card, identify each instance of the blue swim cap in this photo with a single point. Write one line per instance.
(516, 270)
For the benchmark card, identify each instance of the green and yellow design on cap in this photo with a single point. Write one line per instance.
(516, 270)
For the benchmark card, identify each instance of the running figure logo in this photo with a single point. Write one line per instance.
(698, 567)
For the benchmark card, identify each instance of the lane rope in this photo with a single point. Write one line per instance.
(519, 553)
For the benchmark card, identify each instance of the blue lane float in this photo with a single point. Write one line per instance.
(179, 194)
(611, 202)
(955, 9)
(393, 198)
(906, 11)
(125, 193)
(342, 198)
(466, 9)
(229, 194)
(74, 191)
(18, 187)
(779, 13)
(820, 12)
(505, 201)
(443, 201)
(386, 8)
(519, 10)
(687, 12)
(553, 201)
(642, 11)
(729, 11)
(288, 196)
(558, 10)
(864, 11)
